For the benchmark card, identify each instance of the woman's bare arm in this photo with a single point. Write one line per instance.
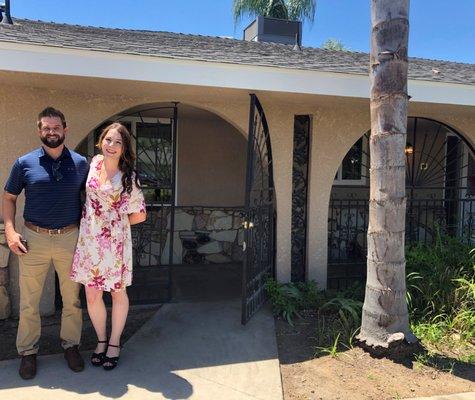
(137, 218)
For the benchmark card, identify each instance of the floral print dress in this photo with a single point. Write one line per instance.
(103, 257)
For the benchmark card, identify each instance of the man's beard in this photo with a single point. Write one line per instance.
(53, 141)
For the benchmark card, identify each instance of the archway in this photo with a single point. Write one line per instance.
(440, 190)
(192, 167)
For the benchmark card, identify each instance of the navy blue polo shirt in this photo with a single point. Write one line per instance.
(52, 187)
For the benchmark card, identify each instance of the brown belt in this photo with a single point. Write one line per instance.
(50, 232)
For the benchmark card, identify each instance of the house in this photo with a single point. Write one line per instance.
(200, 108)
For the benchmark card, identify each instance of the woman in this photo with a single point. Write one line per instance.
(103, 257)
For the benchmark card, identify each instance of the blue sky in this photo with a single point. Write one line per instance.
(439, 29)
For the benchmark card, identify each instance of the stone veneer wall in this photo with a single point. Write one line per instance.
(5, 306)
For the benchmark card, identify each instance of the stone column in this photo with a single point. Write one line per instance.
(5, 306)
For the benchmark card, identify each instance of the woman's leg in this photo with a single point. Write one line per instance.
(120, 309)
(98, 314)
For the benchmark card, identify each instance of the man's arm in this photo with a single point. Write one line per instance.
(9, 211)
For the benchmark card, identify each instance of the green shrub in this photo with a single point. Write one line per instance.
(339, 313)
(338, 323)
(432, 271)
(441, 292)
(290, 298)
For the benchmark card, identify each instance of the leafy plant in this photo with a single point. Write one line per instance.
(331, 350)
(285, 299)
(311, 297)
(344, 306)
(441, 294)
(432, 271)
(288, 299)
(440, 297)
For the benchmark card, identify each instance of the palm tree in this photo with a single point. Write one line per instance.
(281, 9)
(385, 321)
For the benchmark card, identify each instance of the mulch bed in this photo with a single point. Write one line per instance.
(354, 374)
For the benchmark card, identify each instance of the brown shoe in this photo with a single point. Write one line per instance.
(28, 366)
(74, 359)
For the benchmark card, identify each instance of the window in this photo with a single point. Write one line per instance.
(353, 169)
(154, 160)
(152, 139)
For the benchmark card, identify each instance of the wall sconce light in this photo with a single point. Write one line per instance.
(408, 149)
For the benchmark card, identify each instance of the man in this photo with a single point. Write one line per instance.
(53, 178)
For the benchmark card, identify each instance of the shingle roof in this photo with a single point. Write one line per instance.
(217, 49)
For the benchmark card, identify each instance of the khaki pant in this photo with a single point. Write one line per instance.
(42, 250)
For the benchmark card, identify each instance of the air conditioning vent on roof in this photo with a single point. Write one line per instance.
(265, 29)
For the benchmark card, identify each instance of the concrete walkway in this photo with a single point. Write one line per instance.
(186, 351)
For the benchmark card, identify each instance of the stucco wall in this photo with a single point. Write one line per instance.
(211, 161)
(211, 155)
(337, 124)
(86, 103)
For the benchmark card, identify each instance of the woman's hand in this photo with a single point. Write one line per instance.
(137, 218)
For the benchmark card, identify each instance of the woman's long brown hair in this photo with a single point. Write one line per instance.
(127, 158)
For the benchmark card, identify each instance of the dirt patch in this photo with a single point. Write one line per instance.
(355, 375)
(49, 342)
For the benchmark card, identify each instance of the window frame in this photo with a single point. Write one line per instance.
(363, 181)
(133, 120)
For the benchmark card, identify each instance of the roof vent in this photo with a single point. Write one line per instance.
(5, 17)
(266, 29)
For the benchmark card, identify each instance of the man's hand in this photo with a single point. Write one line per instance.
(15, 244)
(13, 238)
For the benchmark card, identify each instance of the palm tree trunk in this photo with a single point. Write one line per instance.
(385, 318)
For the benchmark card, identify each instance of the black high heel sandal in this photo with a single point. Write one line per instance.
(97, 359)
(111, 360)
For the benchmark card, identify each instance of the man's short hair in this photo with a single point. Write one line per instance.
(51, 112)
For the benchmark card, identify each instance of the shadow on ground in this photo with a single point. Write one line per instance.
(298, 343)
(185, 349)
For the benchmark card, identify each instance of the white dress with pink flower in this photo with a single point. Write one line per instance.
(103, 257)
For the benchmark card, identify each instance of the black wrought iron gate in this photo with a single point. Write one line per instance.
(440, 192)
(153, 240)
(259, 224)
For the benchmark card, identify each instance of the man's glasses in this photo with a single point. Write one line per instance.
(56, 129)
(57, 175)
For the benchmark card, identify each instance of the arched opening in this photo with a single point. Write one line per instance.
(192, 168)
(440, 190)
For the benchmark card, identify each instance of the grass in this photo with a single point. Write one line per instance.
(434, 360)
(331, 350)
(441, 296)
